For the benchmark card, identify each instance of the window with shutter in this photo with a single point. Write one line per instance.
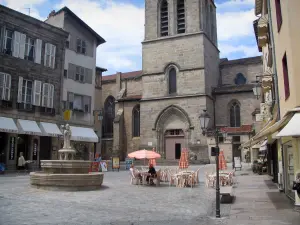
(16, 42)
(87, 104)
(22, 45)
(180, 16)
(51, 96)
(164, 18)
(25, 94)
(37, 93)
(286, 77)
(29, 49)
(81, 46)
(49, 58)
(45, 98)
(172, 81)
(38, 51)
(7, 89)
(8, 42)
(70, 100)
(2, 86)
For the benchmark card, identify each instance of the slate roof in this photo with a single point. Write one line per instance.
(127, 75)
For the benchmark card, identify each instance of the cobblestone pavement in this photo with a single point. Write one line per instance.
(117, 202)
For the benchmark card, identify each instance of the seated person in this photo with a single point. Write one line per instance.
(135, 173)
(152, 173)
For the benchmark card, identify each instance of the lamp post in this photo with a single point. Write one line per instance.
(204, 121)
(257, 90)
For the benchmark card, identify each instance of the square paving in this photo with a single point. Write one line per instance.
(118, 202)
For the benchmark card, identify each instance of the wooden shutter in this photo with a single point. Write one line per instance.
(37, 89)
(70, 100)
(2, 86)
(16, 44)
(88, 76)
(7, 87)
(52, 58)
(22, 45)
(19, 100)
(71, 71)
(51, 96)
(45, 95)
(38, 51)
(278, 14)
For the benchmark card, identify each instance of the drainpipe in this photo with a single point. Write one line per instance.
(275, 81)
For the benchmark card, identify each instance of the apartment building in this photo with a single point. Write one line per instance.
(31, 73)
(79, 75)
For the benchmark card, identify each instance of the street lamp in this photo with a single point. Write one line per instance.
(204, 121)
(257, 90)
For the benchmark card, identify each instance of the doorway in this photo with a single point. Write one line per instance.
(45, 148)
(3, 142)
(177, 150)
(23, 146)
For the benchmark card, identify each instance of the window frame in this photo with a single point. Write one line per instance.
(80, 71)
(81, 44)
(136, 121)
(109, 117)
(27, 49)
(172, 81)
(26, 90)
(278, 12)
(6, 87)
(178, 28)
(5, 41)
(164, 33)
(286, 81)
(237, 117)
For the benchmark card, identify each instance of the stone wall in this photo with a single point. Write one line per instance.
(29, 70)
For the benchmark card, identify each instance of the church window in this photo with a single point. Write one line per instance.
(235, 115)
(136, 121)
(164, 18)
(180, 17)
(240, 79)
(172, 81)
(109, 116)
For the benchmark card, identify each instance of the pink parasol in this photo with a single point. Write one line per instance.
(144, 154)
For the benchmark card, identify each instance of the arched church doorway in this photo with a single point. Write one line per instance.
(174, 142)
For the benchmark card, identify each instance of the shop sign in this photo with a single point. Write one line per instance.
(35, 149)
(12, 148)
(115, 163)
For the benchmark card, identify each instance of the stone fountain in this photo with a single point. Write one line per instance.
(66, 173)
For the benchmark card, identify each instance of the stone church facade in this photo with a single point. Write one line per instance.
(182, 74)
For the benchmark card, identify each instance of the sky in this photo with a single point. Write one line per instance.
(121, 24)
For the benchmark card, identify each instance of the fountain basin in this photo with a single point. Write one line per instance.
(66, 166)
(66, 182)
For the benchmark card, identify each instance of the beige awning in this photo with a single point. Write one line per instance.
(271, 128)
(292, 127)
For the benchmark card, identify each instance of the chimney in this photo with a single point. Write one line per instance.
(52, 13)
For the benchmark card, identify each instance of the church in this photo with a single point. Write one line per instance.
(182, 75)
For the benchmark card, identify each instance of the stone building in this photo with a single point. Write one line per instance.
(159, 106)
(31, 75)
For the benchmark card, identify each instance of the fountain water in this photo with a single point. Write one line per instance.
(66, 173)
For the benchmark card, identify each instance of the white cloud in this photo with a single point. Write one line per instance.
(25, 6)
(248, 51)
(120, 24)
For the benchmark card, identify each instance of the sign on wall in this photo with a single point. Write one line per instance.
(35, 149)
(12, 148)
(116, 163)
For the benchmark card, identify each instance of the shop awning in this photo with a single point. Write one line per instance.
(8, 125)
(50, 129)
(264, 146)
(29, 127)
(292, 127)
(83, 134)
